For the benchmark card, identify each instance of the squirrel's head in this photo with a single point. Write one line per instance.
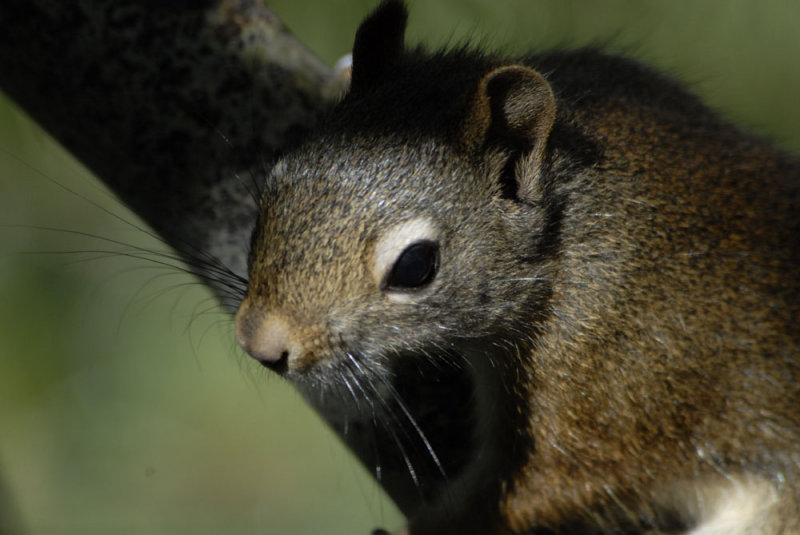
(411, 223)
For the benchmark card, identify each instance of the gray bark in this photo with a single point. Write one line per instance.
(178, 107)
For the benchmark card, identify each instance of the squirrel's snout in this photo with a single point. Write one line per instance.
(266, 338)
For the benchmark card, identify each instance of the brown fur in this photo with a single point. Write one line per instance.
(610, 344)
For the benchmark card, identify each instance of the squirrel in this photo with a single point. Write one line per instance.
(552, 294)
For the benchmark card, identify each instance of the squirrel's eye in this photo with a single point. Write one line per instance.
(415, 267)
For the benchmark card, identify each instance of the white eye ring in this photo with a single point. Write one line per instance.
(394, 242)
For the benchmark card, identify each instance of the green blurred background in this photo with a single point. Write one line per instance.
(125, 406)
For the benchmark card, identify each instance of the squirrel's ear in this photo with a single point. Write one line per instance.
(379, 43)
(514, 107)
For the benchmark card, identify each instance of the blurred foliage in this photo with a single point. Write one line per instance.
(125, 406)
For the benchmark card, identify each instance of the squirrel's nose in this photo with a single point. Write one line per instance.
(265, 338)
